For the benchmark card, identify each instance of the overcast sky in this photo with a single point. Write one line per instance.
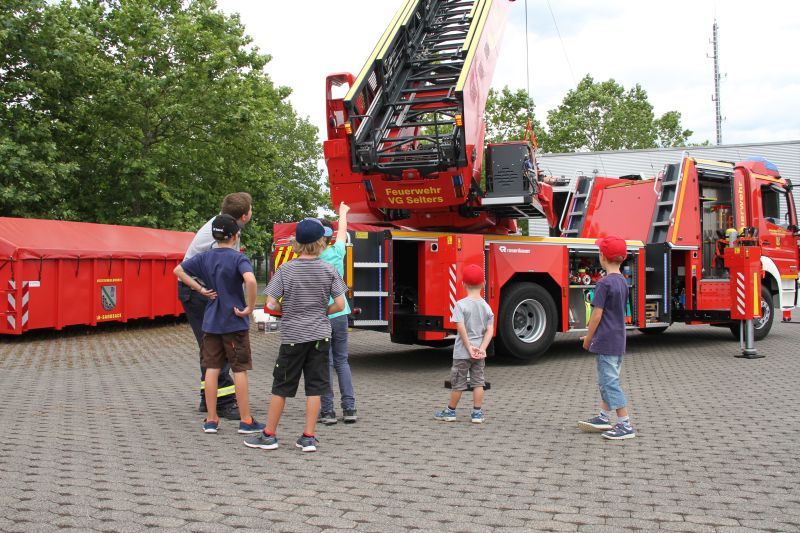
(664, 46)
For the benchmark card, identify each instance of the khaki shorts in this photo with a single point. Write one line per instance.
(458, 374)
(231, 347)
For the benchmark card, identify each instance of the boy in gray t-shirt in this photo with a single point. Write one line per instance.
(473, 318)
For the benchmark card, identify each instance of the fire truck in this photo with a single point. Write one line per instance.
(709, 242)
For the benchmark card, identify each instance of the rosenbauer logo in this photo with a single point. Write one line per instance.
(506, 250)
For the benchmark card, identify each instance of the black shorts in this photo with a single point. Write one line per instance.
(233, 348)
(307, 358)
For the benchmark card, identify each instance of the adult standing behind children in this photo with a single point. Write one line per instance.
(339, 323)
(226, 322)
(239, 205)
(473, 318)
(606, 338)
(304, 286)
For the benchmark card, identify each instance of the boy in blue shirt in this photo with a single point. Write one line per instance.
(339, 323)
(606, 338)
(226, 322)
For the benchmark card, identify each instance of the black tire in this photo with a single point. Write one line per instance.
(653, 331)
(526, 323)
(761, 326)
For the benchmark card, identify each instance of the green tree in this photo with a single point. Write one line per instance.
(34, 177)
(163, 107)
(669, 132)
(605, 116)
(506, 116)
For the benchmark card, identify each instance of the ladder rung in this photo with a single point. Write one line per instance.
(370, 265)
(370, 294)
(664, 223)
(370, 322)
(653, 296)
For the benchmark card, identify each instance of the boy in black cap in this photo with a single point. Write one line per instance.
(226, 322)
(305, 285)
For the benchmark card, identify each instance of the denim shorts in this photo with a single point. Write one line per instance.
(608, 369)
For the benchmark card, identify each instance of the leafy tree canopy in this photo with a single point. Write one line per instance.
(146, 112)
(605, 116)
(592, 117)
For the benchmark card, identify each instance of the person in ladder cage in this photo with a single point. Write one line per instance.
(239, 205)
(339, 323)
(605, 337)
(226, 321)
(534, 175)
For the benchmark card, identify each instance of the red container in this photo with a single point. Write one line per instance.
(55, 273)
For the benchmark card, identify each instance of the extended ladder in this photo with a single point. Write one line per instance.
(404, 105)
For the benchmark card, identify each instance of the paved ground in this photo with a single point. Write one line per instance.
(100, 432)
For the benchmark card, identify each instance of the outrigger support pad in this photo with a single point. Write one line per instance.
(747, 335)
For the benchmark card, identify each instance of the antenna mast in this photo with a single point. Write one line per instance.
(716, 86)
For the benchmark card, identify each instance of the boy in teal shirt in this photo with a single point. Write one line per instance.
(338, 355)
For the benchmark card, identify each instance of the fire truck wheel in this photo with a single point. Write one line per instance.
(761, 326)
(527, 322)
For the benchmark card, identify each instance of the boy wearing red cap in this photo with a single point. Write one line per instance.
(473, 318)
(606, 338)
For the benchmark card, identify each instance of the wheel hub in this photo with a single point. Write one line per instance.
(529, 321)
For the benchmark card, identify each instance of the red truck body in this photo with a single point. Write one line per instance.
(55, 273)
(405, 151)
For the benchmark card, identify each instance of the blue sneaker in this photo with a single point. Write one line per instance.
(210, 426)
(619, 432)
(307, 444)
(477, 416)
(263, 441)
(252, 427)
(595, 424)
(446, 414)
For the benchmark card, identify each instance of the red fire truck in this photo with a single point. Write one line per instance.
(406, 151)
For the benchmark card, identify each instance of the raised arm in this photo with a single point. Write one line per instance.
(341, 233)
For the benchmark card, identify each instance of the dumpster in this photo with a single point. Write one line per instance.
(55, 273)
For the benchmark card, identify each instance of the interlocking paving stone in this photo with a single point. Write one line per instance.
(117, 446)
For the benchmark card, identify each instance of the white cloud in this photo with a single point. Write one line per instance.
(665, 47)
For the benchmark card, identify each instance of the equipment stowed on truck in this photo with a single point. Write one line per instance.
(405, 150)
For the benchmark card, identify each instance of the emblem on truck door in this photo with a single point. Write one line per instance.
(108, 295)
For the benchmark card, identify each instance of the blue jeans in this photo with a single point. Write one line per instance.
(608, 369)
(339, 363)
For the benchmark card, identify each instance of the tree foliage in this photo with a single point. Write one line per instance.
(592, 117)
(146, 112)
(605, 116)
(507, 114)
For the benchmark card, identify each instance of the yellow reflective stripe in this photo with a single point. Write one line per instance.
(680, 201)
(387, 36)
(224, 391)
(472, 43)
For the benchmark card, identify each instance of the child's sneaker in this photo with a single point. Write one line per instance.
(446, 414)
(350, 416)
(210, 426)
(327, 417)
(477, 416)
(620, 431)
(307, 444)
(263, 441)
(595, 424)
(252, 427)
